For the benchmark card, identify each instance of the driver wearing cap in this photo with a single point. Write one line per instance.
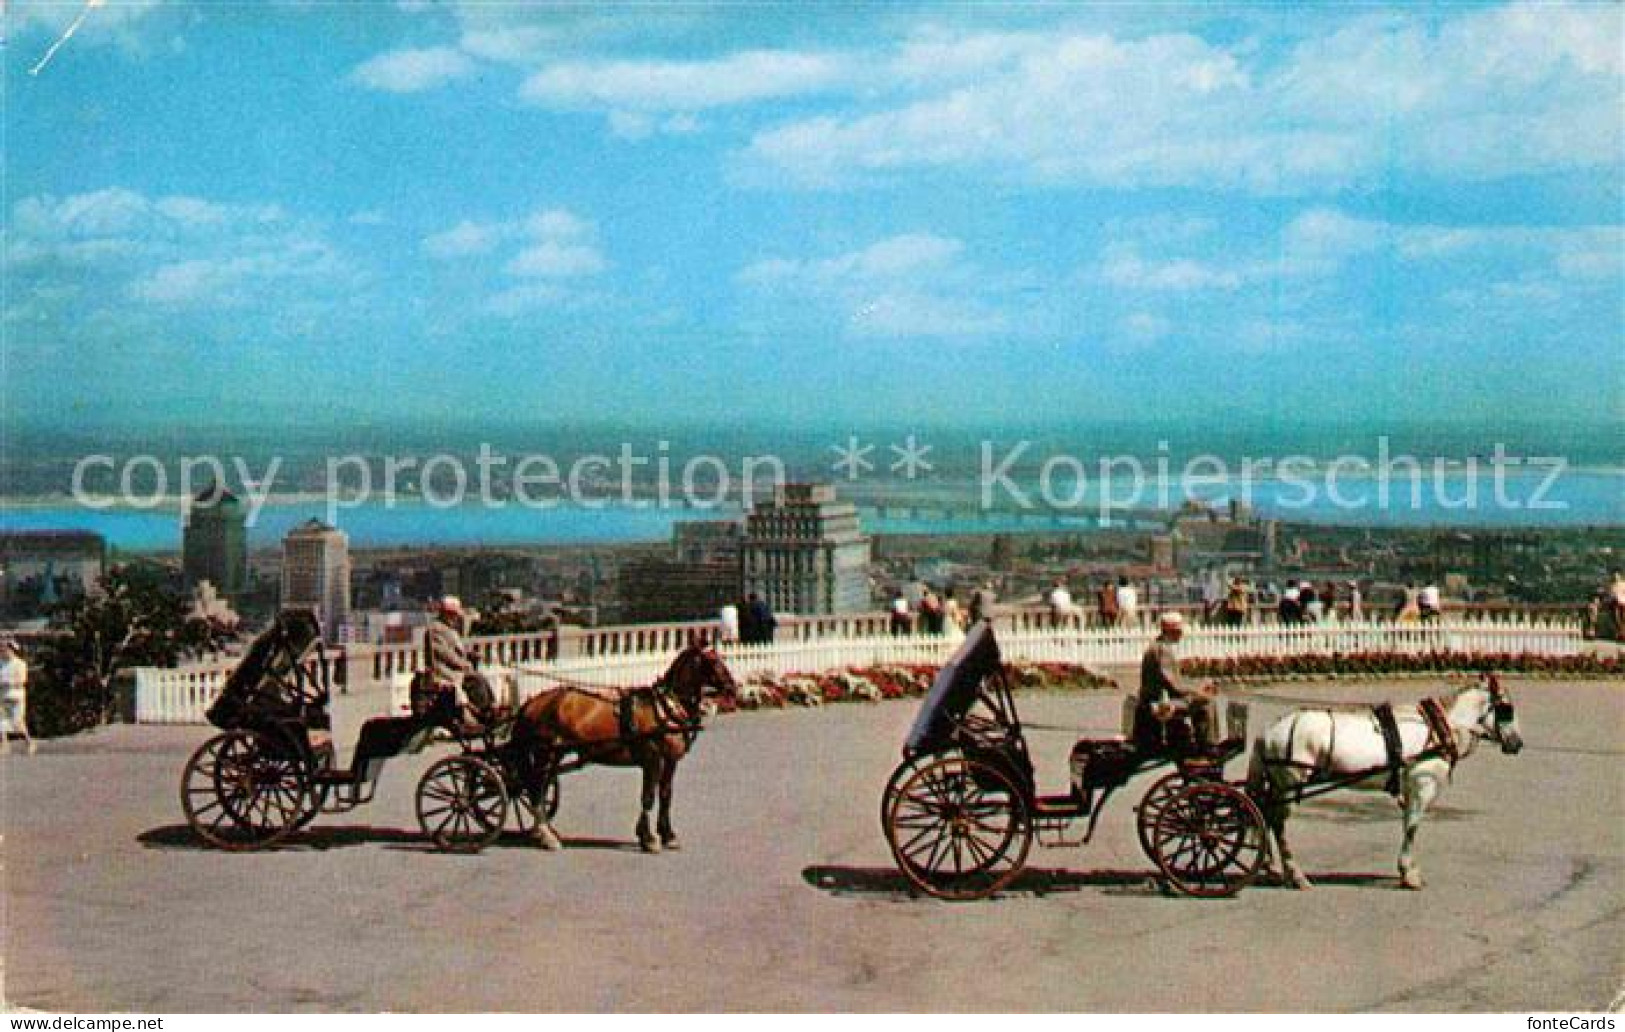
(448, 667)
(1165, 696)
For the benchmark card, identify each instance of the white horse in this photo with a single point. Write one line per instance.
(1324, 749)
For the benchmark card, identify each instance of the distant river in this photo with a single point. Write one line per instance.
(1578, 499)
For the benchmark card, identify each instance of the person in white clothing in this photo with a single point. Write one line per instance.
(1128, 603)
(728, 621)
(1428, 602)
(1061, 608)
(13, 696)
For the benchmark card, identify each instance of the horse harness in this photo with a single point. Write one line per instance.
(1441, 744)
(671, 716)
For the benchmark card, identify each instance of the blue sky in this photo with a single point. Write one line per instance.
(770, 212)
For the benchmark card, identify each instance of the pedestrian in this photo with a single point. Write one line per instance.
(982, 602)
(1428, 603)
(953, 617)
(728, 623)
(750, 632)
(13, 697)
(1328, 600)
(1061, 609)
(1290, 610)
(765, 623)
(1128, 603)
(1235, 603)
(1409, 610)
(931, 613)
(1356, 603)
(1616, 604)
(1310, 603)
(1108, 603)
(902, 621)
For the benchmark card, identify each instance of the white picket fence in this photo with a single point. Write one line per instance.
(181, 695)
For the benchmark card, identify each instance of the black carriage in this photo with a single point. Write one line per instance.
(962, 811)
(271, 770)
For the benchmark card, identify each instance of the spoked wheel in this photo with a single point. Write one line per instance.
(241, 790)
(1151, 806)
(523, 814)
(959, 828)
(1209, 840)
(462, 803)
(888, 797)
(316, 790)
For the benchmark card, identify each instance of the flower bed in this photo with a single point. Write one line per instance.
(1357, 664)
(896, 681)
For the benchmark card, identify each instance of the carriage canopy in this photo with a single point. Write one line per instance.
(271, 683)
(956, 689)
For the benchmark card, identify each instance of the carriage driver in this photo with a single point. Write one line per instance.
(1165, 696)
(447, 667)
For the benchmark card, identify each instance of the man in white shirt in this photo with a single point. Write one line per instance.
(729, 621)
(13, 697)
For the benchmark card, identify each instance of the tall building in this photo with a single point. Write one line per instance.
(805, 552)
(316, 574)
(214, 541)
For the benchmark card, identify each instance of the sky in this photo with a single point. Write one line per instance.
(775, 213)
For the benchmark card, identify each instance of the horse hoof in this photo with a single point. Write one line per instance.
(1412, 881)
(650, 845)
(671, 843)
(548, 839)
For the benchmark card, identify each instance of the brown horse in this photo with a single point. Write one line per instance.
(651, 728)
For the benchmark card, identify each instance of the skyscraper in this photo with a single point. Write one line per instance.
(806, 553)
(316, 574)
(214, 541)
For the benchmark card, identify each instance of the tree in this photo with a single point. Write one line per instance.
(133, 618)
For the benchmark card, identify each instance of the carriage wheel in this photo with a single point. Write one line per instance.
(1151, 806)
(888, 797)
(959, 828)
(241, 791)
(524, 813)
(462, 803)
(1209, 840)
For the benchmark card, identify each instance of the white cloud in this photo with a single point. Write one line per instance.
(171, 251)
(683, 86)
(912, 285)
(550, 259)
(465, 238)
(414, 70)
(1124, 267)
(1482, 93)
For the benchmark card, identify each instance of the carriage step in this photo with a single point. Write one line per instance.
(1062, 806)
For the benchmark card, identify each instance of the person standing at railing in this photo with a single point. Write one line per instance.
(1356, 603)
(728, 623)
(760, 623)
(1616, 604)
(902, 621)
(1061, 609)
(1108, 603)
(1236, 603)
(1429, 605)
(13, 696)
(1128, 603)
(953, 617)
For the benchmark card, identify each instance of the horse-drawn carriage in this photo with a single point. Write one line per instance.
(271, 770)
(962, 810)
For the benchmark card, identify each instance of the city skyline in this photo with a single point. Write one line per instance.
(414, 212)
